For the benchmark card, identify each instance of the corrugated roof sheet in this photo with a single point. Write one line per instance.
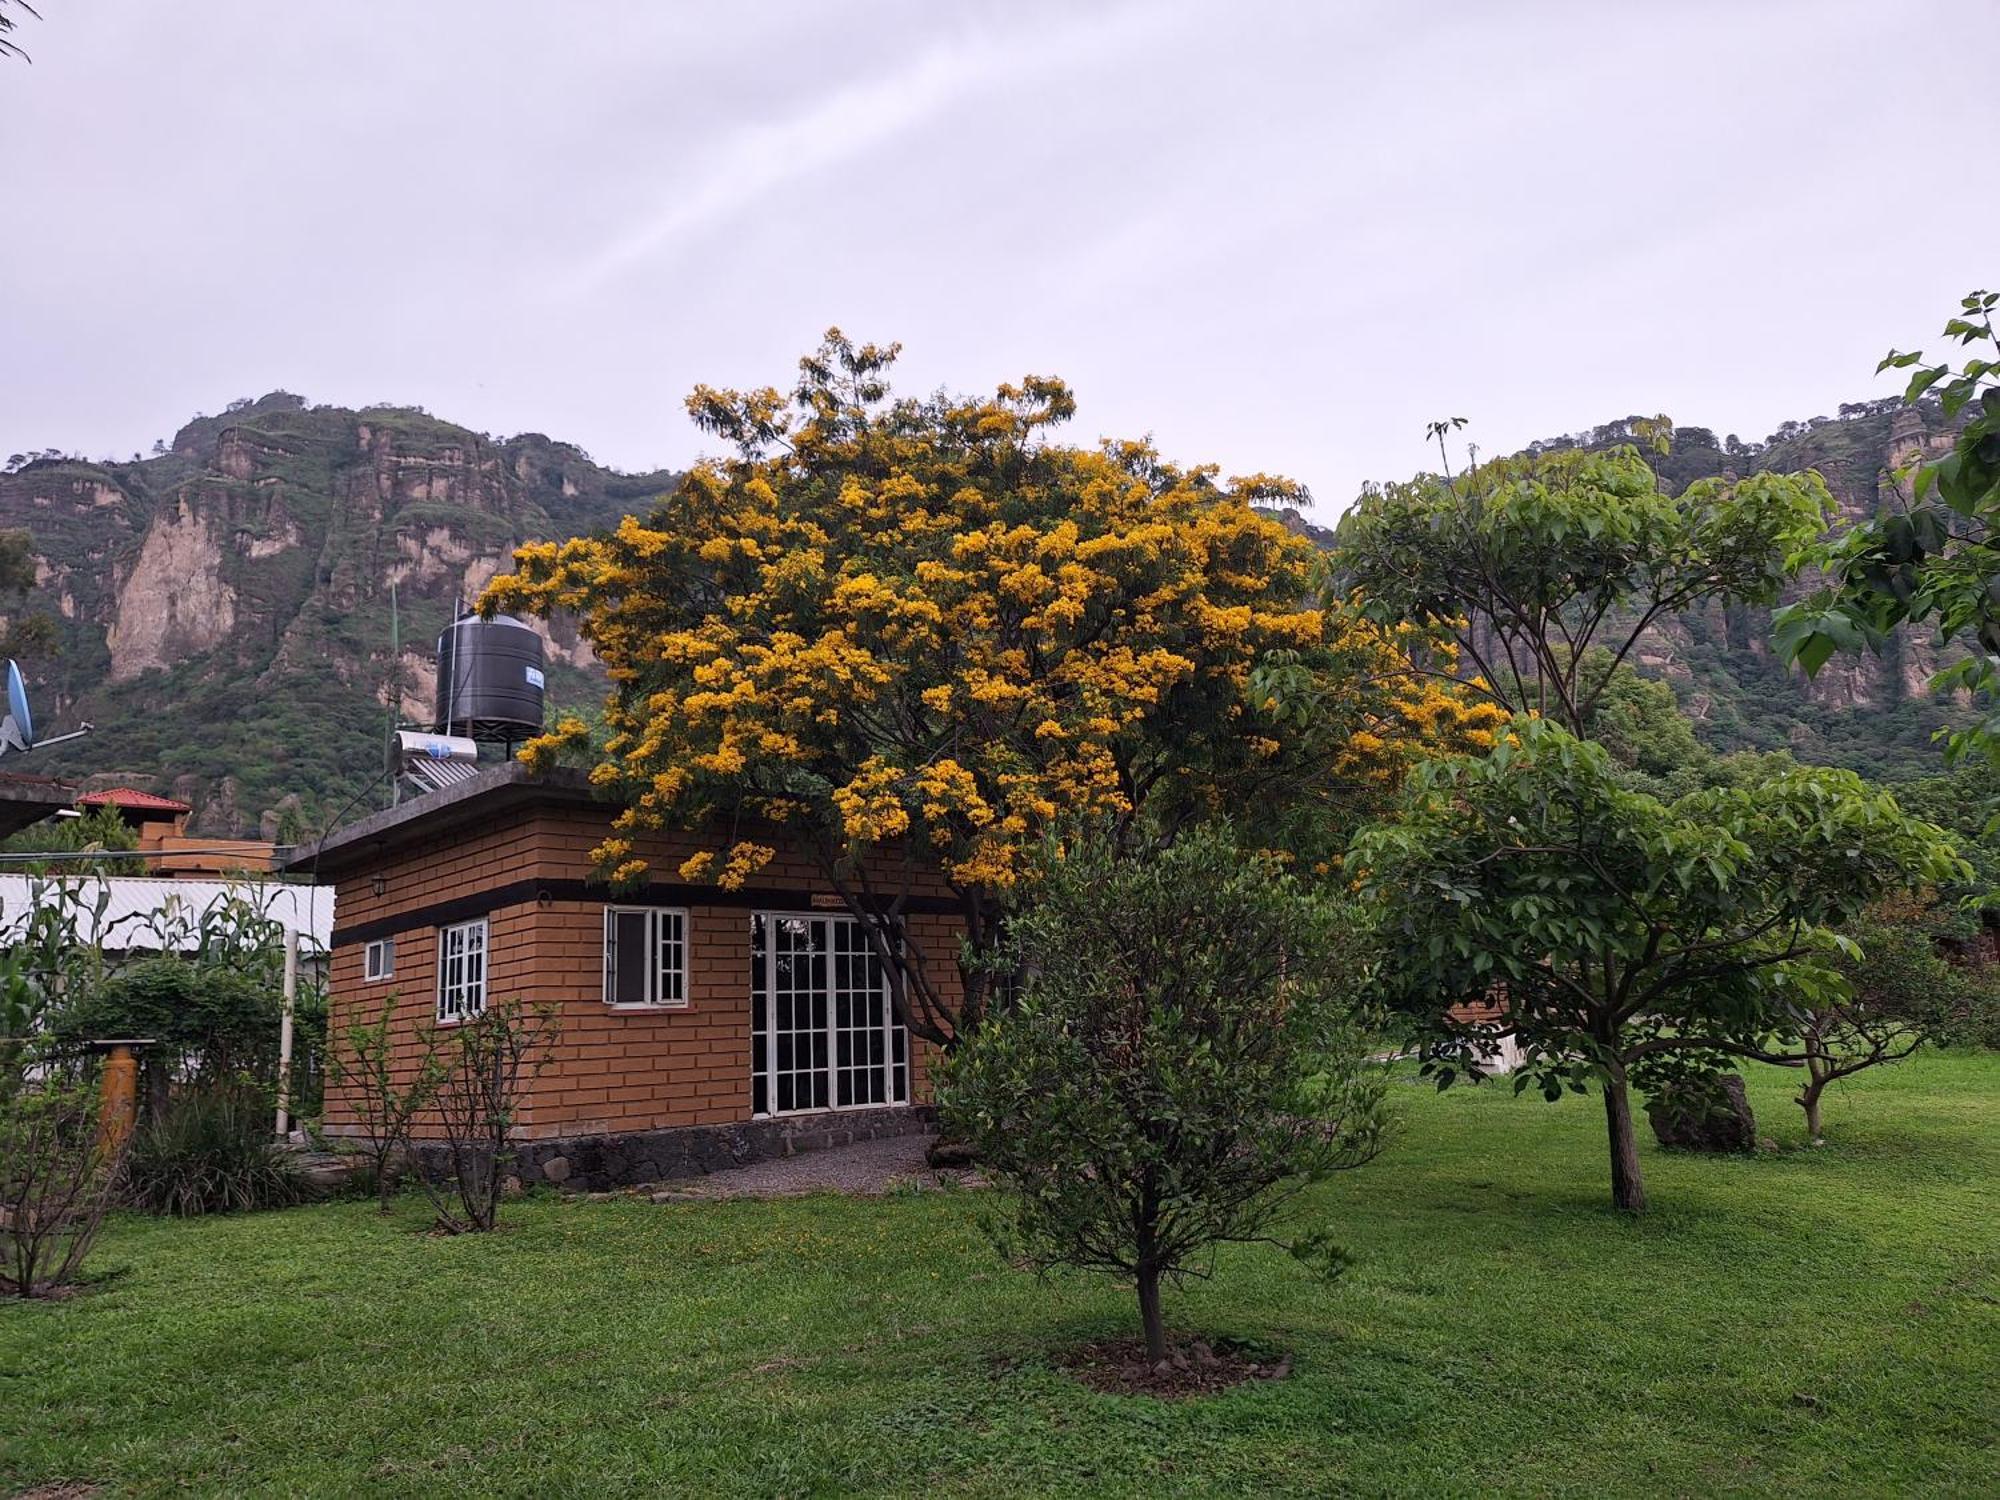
(137, 912)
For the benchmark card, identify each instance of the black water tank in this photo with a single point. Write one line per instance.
(489, 679)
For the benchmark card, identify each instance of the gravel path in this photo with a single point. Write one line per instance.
(864, 1169)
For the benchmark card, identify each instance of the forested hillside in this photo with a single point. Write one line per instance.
(223, 607)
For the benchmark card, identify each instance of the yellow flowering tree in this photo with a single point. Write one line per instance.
(927, 637)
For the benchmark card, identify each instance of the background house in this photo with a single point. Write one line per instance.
(165, 847)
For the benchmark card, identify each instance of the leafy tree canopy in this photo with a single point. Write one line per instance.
(93, 833)
(1617, 927)
(1533, 560)
(922, 630)
(1639, 721)
(1936, 557)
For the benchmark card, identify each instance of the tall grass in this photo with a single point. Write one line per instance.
(212, 1152)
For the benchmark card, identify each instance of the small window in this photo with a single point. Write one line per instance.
(645, 956)
(462, 971)
(378, 961)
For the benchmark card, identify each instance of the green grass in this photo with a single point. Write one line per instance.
(1810, 1321)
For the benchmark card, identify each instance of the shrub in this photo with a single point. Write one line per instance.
(383, 1098)
(476, 1071)
(207, 1022)
(1972, 1018)
(212, 1152)
(56, 1183)
(1181, 1058)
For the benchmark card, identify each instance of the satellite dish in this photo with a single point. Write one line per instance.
(17, 706)
(17, 727)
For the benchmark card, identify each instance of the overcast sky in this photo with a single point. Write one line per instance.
(1277, 236)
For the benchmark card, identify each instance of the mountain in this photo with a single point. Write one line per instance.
(1870, 713)
(223, 608)
(1873, 713)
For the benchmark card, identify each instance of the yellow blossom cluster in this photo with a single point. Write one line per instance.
(924, 621)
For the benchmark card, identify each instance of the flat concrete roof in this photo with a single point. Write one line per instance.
(26, 800)
(494, 790)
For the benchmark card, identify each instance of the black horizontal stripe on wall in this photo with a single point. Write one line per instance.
(653, 893)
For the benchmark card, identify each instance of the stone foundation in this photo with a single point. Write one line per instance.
(595, 1162)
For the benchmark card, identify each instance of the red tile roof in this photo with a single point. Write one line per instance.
(125, 796)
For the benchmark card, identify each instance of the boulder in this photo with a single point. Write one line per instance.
(1713, 1118)
(945, 1152)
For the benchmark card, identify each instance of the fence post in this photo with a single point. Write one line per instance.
(285, 1033)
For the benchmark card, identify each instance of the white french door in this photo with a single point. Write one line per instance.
(823, 1033)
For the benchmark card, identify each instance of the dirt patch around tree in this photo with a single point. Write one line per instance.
(1119, 1367)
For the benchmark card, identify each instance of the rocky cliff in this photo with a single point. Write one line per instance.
(1873, 713)
(224, 607)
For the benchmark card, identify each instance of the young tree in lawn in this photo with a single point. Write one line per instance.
(1932, 557)
(1621, 928)
(480, 1067)
(921, 633)
(1532, 561)
(383, 1096)
(57, 1183)
(1900, 991)
(1181, 1059)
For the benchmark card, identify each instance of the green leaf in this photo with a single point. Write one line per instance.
(1922, 381)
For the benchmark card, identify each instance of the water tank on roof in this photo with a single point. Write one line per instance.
(489, 679)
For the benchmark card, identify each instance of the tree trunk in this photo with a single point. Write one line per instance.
(1816, 1082)
(1819, 1075)
(1628, 1183)
(1149, 1313)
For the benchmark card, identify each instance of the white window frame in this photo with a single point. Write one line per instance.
(898, 1045)
(666, 985)
(378, 960)
(461, 995)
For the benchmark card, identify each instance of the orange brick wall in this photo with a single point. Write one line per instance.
(609, 1071)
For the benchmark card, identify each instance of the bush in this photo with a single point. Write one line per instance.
(56, 1184)
(1971, 1018)
(473, 1074)
(212, 1152)
(207, 1022)
(1181, 1058)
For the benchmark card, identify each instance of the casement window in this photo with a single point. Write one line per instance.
(823, 1033)
(461, 993)
(645, 956)
(378, 961)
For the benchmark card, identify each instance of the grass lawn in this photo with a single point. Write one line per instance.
(1810, 1321)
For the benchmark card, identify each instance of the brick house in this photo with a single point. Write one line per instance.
(698, 1027)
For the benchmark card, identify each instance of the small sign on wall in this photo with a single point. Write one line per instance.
(827, 901)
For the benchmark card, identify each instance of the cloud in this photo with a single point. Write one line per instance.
(748, 166)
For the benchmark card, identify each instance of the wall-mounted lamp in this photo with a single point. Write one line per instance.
(378, 883)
